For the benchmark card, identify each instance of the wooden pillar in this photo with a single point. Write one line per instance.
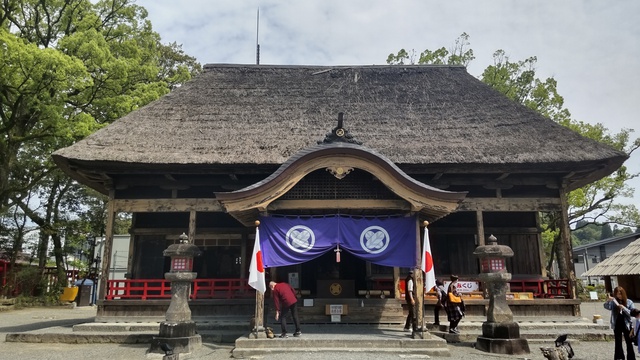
(258, 330)
(108, 247)
(480, 227)
(192, 226)
(396, 282)
(565, 263)
(480, 235)
(543, 265)
(243, 255)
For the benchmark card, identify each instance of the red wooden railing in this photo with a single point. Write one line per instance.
(542, 288)
(144, 289)
(4, 269)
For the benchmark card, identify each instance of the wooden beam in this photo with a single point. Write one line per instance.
(167, 205)
(339, 204)
(510, 204)
(479, 180)
(177, 231)
(489, 230)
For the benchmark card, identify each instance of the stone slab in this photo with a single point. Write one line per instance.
(503, 346)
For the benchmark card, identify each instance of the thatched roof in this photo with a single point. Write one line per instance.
(625, 261)
(431, 116)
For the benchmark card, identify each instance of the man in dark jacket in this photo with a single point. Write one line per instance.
(410, 297)
(284, 299)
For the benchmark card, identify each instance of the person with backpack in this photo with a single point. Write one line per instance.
(454, 306)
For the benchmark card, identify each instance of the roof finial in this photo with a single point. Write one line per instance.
(339, 134)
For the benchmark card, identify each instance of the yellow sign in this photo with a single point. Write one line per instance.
(335, 289)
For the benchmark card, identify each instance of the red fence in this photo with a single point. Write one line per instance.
(542, 288)
(161, 289)
(144, 289)
(4, 269)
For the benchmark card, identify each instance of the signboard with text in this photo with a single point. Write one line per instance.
(464, 286)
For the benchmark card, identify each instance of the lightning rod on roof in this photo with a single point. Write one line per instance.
(257, 33)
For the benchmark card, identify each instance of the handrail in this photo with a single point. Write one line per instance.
(144, 289)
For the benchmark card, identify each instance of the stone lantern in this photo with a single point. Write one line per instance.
(500, 334)
(179, 331)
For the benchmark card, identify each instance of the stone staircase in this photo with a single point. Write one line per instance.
(539, 330)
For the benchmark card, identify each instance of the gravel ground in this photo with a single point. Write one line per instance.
(33, 319)
(11, 351)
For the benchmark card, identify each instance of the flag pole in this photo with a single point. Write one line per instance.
(258, 330)
(426, 273)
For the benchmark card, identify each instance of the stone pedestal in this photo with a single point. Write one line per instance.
(259, 334)
(180, 345)
(178, 332)
(500, 334)
(502, 338)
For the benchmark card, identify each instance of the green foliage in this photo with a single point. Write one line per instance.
(596, 203)
(606, 232)
(68, 68)
(27, 280)
(517, 80)
(583, 291)
(459, 54)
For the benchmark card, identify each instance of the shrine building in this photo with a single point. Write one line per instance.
(341, 165)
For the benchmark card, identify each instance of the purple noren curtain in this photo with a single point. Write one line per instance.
(388, 241)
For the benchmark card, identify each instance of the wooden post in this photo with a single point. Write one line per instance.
(132, 247)
(192, 226)
(396, 282)
(480, 226)
(543, 266)
(258, 331)
(480, 234)
(565, 263)
(108, 247)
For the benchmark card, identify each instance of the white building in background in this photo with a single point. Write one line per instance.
(586, 257)
(119, 256)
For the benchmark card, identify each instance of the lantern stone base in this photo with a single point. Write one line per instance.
(502, 338)
(260, 334)
(180, 336)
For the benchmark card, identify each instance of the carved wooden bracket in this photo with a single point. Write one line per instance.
(339, 171)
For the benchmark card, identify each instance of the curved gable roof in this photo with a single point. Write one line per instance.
(340, 157)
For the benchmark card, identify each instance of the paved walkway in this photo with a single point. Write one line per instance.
(41, 318)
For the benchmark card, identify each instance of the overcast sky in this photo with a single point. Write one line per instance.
(592, 48)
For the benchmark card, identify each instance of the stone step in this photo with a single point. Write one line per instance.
(7, 304)
(532, 336)
(342, 339)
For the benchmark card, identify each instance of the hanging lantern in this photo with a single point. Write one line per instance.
(337, 250)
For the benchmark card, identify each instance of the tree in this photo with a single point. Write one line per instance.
(595, 203)
(606, 232)
(67, 68)
(586, 233)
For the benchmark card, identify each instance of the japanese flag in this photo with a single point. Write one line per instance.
(256, 269)
(427, 262)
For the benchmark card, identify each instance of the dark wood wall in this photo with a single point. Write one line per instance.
(454, 239)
